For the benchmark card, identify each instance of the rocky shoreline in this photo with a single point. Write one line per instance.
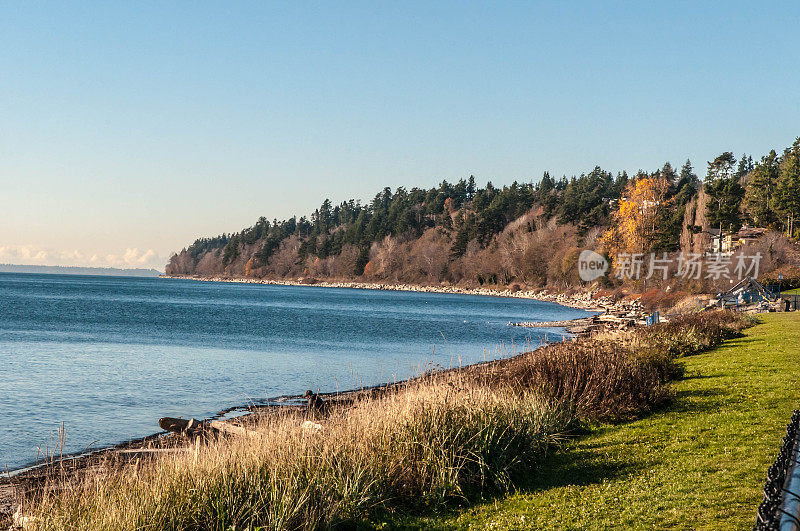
(586, 300)
(610, 314)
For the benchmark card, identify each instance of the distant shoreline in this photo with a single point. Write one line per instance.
(582, 301)
(79, 270)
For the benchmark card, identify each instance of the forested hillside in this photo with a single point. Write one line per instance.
(525, 233)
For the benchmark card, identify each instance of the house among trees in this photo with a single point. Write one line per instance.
(745, 235)
(727, 243)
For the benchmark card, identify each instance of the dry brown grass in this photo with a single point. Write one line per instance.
(450, 437)
(442, 440)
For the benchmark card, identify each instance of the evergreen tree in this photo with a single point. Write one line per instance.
(760, 192)
(723, 209)
(471, 187)
(362, 261)
(725, 193)
(788, 188)
(743, 168)
(720, 167)
(668, 172)
(463, 236)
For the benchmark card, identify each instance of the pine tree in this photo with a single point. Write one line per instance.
(760, 193)
(723, 209)
(720, 167)
(742, 169)
(471, 187)
(668, 172)
(725, 192)
(788, 188)
(687, 177)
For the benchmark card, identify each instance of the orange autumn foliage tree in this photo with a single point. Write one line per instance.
(642, 217)
(369, 269)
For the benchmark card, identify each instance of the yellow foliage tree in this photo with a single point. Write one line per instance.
(641, 218)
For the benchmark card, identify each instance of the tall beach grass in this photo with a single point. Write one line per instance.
(447, 438)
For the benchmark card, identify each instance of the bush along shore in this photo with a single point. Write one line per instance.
(444, 439)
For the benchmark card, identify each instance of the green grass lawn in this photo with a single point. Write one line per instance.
(700, 463)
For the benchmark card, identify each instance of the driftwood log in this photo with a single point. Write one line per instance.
(197, 427)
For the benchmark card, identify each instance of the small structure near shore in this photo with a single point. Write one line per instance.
(747, 294)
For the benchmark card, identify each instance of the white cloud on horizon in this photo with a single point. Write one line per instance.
(132, 257)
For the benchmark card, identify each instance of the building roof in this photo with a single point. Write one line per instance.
(750, 232)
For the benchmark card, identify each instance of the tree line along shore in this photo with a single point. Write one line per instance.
(528, 235)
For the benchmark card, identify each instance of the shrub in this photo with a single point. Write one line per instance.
(600, 379)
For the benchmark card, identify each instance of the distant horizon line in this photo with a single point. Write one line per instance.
(85, 270)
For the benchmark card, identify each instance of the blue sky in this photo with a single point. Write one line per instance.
(128, 129)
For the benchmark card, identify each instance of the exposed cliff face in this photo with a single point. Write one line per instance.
(697, 239)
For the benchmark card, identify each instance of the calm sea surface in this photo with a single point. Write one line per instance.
(108, 356)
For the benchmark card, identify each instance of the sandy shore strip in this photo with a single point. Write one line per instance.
(583, 300)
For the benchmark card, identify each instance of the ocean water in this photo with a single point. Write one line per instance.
(105, 357)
